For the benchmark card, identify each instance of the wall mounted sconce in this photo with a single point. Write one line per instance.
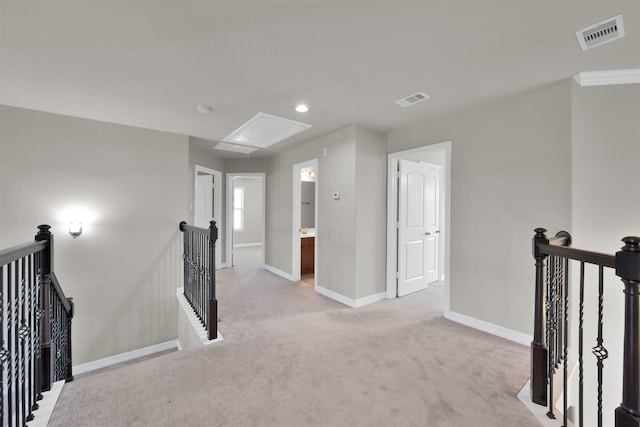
(75, 228)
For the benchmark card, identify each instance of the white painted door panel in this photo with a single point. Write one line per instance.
(418, 226)
(203, 201)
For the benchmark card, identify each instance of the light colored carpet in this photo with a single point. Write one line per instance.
(291, 357)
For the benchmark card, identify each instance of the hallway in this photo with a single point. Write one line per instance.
(291, 357)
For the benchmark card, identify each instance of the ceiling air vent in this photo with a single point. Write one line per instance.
(412, 99)
(600, 33)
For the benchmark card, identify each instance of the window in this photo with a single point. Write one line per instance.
(238, 209)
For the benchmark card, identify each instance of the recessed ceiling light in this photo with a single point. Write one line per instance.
(302, 108)
(235, 148)
(203, 109)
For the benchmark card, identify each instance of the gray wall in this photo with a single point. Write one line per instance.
(335, 222)
(507, 157)
(371, 211)
(204, 157)
(606, 207)
(124, 269)
(354, 166)
(252, 232)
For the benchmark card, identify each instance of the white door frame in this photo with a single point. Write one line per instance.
(392, 209)
(296, 220)
(230, 186)
(217, 202)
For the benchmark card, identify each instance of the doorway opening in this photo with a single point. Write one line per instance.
(245, 218)
(404, 263)
(304, 258)
(207, 203)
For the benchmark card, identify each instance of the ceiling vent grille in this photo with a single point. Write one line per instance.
(412, 99)
(600, 33)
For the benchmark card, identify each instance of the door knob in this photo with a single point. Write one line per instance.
(427, 234)
(437, 231)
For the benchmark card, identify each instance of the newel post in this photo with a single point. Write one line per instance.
(539, 355)
(213, 302)
(46, 268)
(628, 269)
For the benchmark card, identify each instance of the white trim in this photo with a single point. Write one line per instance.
(230, 185)
(538, 411)
(124, 357)
(246, 245)
(490, 328)
(200, 330)
(217, 204)
(278, 272)
(295, 221)
(42, 415)
(608, 77)
(392, 207)
(360, 302)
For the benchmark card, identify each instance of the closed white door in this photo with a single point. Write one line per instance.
(203, 201)
(418, 226)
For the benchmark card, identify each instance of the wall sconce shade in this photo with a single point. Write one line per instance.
(75, 228)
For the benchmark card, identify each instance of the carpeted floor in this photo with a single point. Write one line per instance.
(291, 357)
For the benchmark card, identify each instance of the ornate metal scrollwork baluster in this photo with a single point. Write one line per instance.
(599, 350)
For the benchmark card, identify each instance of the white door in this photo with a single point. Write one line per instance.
(418, 226)
(203, 201)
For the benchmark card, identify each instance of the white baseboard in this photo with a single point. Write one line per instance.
(355, 303)
(124, 357)
(538, 411)
(42, 415)
(246, 245)
(278, 272)
(489, 328)
(360, 302)
(200, 330)
(222, 265)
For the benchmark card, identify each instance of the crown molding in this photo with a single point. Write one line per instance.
(608, 77)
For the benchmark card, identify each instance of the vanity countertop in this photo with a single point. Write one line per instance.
(308, 234)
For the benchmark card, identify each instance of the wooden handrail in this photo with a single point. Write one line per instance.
(20, 251)
(551, 322)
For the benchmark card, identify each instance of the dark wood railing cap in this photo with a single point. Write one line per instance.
(632, 244)
(540, 233)
(44, 229)
(628, 259)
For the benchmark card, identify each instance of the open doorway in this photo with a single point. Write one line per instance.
(207, 202)
(245, 218)
(430, 168)
(305, 223)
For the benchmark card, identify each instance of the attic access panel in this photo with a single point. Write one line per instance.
(264, 130)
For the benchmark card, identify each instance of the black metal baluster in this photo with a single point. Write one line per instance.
(599, 350)
(38, 326)
(22, 334)
(551, 327)
(581, 349)
(10, 348)
(565, 343)
(3, 351)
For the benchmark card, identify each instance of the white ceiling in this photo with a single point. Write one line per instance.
(148, 64)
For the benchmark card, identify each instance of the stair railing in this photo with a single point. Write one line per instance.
(199, 248)
(549, 348)
(35, 328)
